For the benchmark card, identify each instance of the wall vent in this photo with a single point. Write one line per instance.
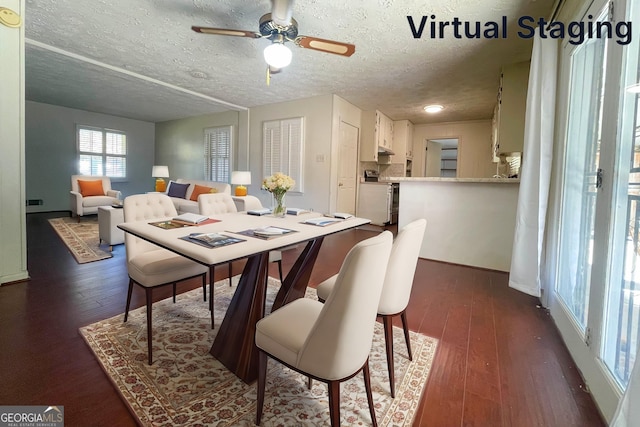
(34, 202)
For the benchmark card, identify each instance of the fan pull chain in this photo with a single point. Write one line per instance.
(268, 76)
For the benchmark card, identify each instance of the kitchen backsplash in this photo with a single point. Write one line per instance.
(394, 169)
(386, 171)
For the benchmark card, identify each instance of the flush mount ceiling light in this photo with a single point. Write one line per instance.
(277, 55)
(431, 109)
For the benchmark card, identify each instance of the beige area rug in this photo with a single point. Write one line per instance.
(187, 386)
(81, 238)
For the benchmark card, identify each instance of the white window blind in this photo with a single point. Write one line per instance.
(283, 148)
(102, 152)
(217, 153)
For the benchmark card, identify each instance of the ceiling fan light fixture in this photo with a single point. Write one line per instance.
(277, 55)
(432, 109)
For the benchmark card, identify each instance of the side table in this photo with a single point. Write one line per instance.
(108, 220)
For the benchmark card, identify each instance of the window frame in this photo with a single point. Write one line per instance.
(286, 137)
(208, 164)
(103, 154)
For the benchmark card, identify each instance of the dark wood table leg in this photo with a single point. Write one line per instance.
(234, 345)
(295, 284)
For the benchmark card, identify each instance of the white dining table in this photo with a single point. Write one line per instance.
(234, 345)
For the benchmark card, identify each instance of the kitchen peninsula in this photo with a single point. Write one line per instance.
(470, 221)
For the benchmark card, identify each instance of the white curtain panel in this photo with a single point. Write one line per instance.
(628, 415)
(535, 172)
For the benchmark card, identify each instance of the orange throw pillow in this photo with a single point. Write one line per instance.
(201, 189)
(91, 188)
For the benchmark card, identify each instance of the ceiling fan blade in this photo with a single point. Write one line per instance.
(281, 12)
(324, 45)
(226, 32)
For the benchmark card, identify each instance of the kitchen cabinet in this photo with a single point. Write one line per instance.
(402, 140)
(376, 133)
(509, 114)
(403, 144)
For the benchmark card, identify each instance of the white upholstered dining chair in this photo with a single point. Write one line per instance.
(218, 203)
(149, 265)
(397, 287)
(329, 342)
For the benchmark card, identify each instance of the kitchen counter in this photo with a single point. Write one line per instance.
(470, 221)
(468, 180)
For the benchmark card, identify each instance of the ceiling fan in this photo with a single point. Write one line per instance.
(279, 27)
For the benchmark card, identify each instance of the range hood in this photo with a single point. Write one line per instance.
(385, 151)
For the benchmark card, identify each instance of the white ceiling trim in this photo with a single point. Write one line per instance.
(133, 74)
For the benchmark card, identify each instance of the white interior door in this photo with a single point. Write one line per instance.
(347, 168)
(433, 158)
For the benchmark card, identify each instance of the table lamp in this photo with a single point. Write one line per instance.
(160, 172)
(240, 179)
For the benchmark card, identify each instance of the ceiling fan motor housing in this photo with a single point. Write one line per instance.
(271, 30)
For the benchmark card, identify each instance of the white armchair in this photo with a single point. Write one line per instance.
(87, 195)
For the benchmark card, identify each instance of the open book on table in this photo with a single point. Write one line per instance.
(211, 240)
(266, 232)
(322, 221)
(297, 211)
(339, 215)
(191, 218)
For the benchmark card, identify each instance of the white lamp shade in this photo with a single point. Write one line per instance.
(241, 178)
(160, 172)
(277, 55)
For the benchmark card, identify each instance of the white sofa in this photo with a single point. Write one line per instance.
(87, 205)
(185, 204)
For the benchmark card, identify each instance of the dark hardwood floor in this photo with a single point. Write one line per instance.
(500, 360)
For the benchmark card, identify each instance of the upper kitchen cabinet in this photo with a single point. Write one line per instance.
(509, 114)
(402, 140)
(403, 144)
(377, 135)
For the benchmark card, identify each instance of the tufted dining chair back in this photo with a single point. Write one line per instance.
(215, 203)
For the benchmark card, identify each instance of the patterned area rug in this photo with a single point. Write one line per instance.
(81, 238)
(187, 386)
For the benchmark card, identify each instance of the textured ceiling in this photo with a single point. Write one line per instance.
(140, 59)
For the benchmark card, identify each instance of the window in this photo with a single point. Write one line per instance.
(283, 144)
(102, 152)
(217, 154)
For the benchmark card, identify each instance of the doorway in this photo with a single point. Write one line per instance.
(441, 158)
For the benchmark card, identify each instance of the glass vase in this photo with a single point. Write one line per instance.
(279, 207)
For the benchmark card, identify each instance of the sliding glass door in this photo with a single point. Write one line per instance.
(581, 180)
(622, 318)
(596, 298)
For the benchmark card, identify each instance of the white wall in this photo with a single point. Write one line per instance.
(180, 143)
(51, 152)
(13, 235)
(468, 223)
(318, 121)
(474, 146)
